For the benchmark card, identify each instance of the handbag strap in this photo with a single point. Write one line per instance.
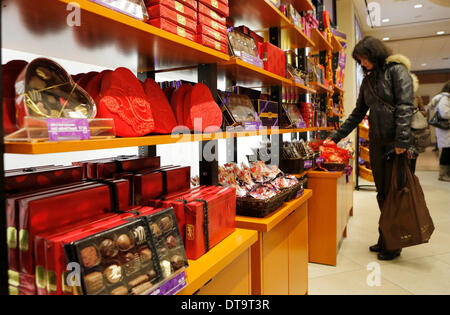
(372, 90)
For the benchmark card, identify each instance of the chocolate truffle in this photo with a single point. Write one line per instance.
(152, 274)
(155, 229)
(131, 262)
(113, 273)
(108, 248)
(124, 242)
(171, 241)
(177, 262)
(165, 268)
(145, 254)
(138, 280)
(163, 251)
(140, 289)
(93, 282)
(89, 256)
(120, 291)
(139, 235)
(166, 223)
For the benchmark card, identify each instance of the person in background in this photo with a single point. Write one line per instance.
(387, 90)
(441, 103)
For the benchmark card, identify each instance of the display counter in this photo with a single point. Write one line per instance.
(329, 210)
(279, 258)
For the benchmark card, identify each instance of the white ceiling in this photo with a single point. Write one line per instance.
(412, 31)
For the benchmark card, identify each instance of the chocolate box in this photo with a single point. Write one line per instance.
(176, 179)
(203, 9)
(147, 186)
(119, 260)
(161, 11)
(238, 109)
(274, 58)
(245, 30)
(65, 207)
(177, 6)
(267, 112)
(217, 6)
(168, 26)
(211, 43)
(190, 3)
(213, 34)
(215, 25)
(31, 178)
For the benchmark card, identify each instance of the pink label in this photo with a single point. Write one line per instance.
(65, 129)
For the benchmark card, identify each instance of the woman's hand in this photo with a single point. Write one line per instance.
(400, 150)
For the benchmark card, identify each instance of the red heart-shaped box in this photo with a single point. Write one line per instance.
(45, 90)
(200, 104)
(124, 100)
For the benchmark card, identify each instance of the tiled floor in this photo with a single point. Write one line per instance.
(423, 269)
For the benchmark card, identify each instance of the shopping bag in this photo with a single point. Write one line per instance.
(405, 219)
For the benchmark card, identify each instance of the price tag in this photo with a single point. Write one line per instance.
(319, 160)
(308, 163)
(64, 129)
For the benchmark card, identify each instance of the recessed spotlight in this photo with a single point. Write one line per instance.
(423, 64)
(440, 32)
(385, 20)
(386, 38)
(418, 6)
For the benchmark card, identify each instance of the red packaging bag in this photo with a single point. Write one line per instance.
(201, 105)
(165, 120)
(79, 204)
(217, 6)
(203, 29)
(190, 3)
(161, 11)
(215, 25)
(212, 43)
(177, 102)
(94, 86)
(168, 26)
(203, 9)
(29, 179)
(274, 58)
(147, 186)
(123, 99)
(84, 79)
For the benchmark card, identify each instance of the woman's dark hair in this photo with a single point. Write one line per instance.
(373, 49)
(446, 87)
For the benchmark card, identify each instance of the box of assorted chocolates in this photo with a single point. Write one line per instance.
(161, 11)
(205, 20)
(244, 47)
(183, 7)
(190, 3)
(203, 29)
(168, 26)
(211, 43)
(217, 5)
(238, 110)
(267, 112)
(203, 9)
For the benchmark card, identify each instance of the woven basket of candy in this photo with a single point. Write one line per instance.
(333, 167)
(293, 191)
(292, 165)
(260, 208)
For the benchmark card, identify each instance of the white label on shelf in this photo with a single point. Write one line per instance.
(126, 6)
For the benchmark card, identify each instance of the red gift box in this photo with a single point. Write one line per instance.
(203, 29)
(46, 212)
(32, 178)
(205, 20)
(274, 58)
(190, 3)
(12, 220)
(217, 6)
(211, 13)
(211, 43)
(168, 26)
(161, 11)
(209, 220)
(177, 6)
(176, 179)
(147, 186)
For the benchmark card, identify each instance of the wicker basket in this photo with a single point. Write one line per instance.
(292, 166)
(333, 167)
(259, 208)
(293, 191)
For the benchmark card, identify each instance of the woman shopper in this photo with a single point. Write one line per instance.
(387, 90)
(441, 103)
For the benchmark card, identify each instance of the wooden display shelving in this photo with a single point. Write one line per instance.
(320, 88)
(320, 42)
(337, 89)
(301, 5)
(335, 43)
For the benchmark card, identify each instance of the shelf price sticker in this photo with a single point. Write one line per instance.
(66, 129)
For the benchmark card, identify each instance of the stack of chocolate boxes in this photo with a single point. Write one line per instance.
(94, 214)
(202, 21)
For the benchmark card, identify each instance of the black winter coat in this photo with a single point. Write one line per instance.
(390, 125)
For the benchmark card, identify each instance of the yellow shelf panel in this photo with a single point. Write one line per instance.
(320, 42)
(100, 26)
(257, 14)
(293, 37)
(269, 222)
(320, 88)
(336, 44)
(301, 5)
(200, 271)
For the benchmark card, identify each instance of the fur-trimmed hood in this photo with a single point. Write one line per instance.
(398, 58)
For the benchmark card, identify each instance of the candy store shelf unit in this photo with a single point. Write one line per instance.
(86, 145)
(249, 75)
(320, 88)
(329, 210)
(301, 5)
(335, 44)
(260, 15)
(337, 89)
(225, 269)
(279, 258)
(320, 42)
(364, 153)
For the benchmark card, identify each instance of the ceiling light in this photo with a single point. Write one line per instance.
(386, 38)
(385, 20)
(440, 32)
(418, 6)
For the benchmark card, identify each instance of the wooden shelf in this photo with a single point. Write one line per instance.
(101, 26)
(200, 271)
(270, 221)
(336, 44)
(320, 88)
(293, 37)
(301, 5)
(320, 42)
(337, 89)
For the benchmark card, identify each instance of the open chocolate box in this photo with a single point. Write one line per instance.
(238, 110)
(118, 261)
